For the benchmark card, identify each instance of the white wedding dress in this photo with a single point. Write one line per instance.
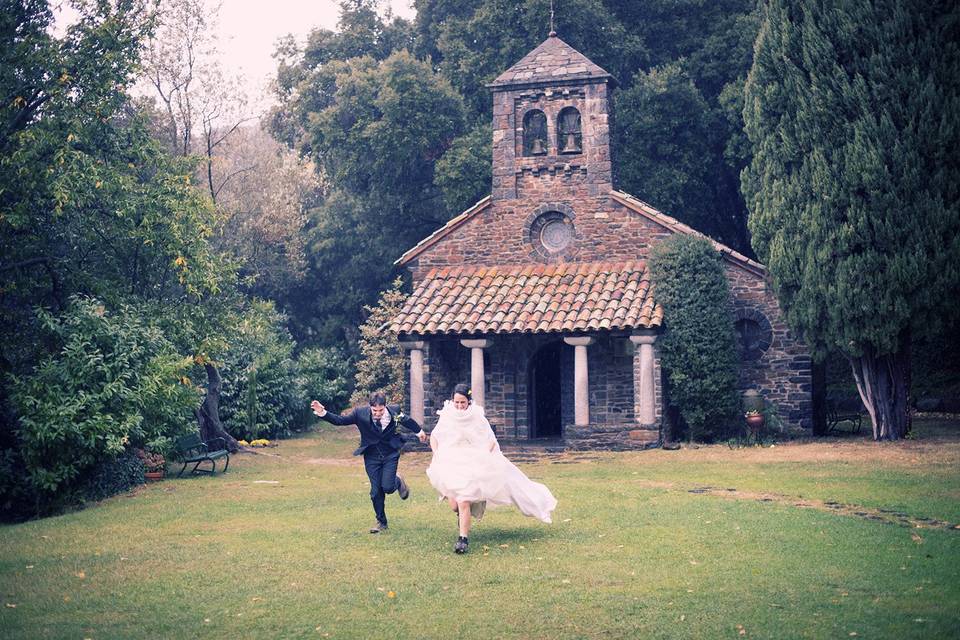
(468, 466)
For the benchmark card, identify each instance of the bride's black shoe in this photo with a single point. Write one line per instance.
(461, 546)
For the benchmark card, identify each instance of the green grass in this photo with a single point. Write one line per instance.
(632, 552)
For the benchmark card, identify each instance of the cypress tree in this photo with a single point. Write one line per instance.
(853, 113)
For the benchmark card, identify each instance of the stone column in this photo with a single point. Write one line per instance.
(644, 388)
(581, 381)
(477, 379)
(416, 378)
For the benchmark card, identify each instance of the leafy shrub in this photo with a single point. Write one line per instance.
(260, 393)
(113, 476)
(323, 373)
(111, 380)
(698, 351)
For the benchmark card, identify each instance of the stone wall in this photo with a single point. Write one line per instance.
(783, 374)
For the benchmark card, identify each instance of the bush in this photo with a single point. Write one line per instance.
(323, 373)
(113, 476)
(261, 397)
(383, 364)
(111, 380)
(698, 351)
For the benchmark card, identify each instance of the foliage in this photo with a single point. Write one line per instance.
(663, 129)
(698, 351)
(383, 363)
(265, 204)
(375, 130)
(152, 460)
(853, 113)
(325, 373)
(113, 476)
(260, 394)
(110, 380)
(464, 172)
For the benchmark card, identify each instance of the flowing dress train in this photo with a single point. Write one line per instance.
(468, 465)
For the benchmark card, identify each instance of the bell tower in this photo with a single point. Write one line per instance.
(551, 126)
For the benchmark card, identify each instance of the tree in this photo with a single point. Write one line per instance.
(853, 114)
(194, 94)
(375, 135)
(698, 348)
(267, 198)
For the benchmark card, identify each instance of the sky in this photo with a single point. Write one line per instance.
(248, 30)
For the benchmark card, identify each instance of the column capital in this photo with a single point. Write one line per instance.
(579, 341)
(648, 336)
(477, 343)
(410, 345)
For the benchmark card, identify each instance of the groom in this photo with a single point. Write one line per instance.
(380, 445)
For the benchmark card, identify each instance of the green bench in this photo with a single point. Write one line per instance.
(191, 449)
(839, 412)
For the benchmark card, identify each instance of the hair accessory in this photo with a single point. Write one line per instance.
(469, 393)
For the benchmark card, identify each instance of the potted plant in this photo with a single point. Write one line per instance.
(754, 420)
(153, 463)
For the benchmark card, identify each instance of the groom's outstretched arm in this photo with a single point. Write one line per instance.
(321, 412)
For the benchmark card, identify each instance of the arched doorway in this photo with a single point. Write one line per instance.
(544, 386)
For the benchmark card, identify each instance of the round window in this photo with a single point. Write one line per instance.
(553, 231)
(753, 335)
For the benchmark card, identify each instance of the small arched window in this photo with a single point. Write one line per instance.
(569, 136)
(534, 133)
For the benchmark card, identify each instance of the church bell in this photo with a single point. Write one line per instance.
(537, 148)
(570, 144)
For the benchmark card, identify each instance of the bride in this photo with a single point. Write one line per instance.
(469, 470)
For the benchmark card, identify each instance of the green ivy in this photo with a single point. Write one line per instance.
(698, 351)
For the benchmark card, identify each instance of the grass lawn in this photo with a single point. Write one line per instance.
(834, 538)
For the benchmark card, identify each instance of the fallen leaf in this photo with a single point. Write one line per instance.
(391, 594)
(80, 574)
(29, 566)
(565, 581)
(504, 546)
(11, 605)
(916, 538)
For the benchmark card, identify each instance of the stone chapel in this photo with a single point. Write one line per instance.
(539, 295)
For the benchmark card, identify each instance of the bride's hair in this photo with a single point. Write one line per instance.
(463, 390)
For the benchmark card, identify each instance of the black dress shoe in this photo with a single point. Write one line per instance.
(402, 489)
(461, 546)
(378, 527)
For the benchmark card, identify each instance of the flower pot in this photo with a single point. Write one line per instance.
(153, 476)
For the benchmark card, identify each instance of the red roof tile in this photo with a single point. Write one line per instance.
(563, 297)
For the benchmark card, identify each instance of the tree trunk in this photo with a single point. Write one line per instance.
(208, 415)
(884, 385)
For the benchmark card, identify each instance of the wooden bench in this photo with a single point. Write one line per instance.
(837, 414)
(191, 449)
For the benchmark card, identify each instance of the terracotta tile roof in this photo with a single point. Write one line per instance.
(553, 60)
(531, 299)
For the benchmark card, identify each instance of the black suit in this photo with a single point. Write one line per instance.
(380, 448)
